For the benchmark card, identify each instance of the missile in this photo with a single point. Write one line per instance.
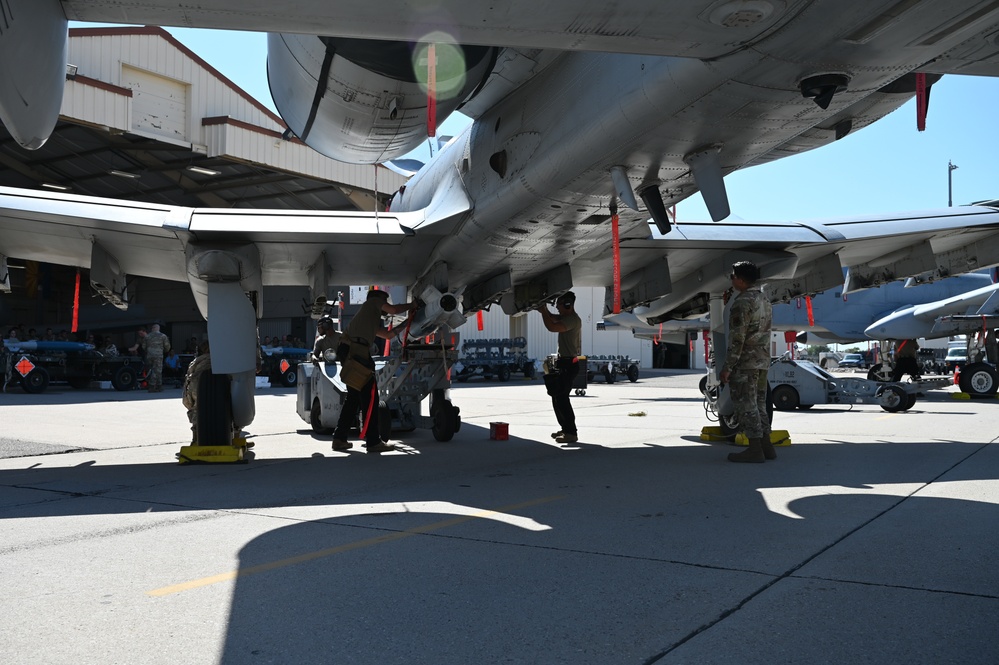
(439, 309)
(17, 346)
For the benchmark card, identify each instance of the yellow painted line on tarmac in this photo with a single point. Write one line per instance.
(312, 556)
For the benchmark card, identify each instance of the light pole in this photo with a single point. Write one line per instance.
(950, 186)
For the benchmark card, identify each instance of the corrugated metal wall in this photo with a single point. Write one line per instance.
(173, 93)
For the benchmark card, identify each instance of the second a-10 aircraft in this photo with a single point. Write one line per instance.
(966, 304)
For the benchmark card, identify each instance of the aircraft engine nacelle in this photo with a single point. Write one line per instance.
(439, 309)
(366, 101)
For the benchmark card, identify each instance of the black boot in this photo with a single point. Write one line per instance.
(768, 448)
(754, 453)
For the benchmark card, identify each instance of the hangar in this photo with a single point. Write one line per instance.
(146, 119)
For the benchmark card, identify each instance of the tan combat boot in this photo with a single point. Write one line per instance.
(754, 453)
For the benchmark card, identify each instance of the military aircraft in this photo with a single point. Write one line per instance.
(589, 118)
(831, 317)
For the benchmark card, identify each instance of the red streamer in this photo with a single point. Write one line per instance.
(432, 90)
(76, 303)
(811, 316)
(478, 320)
(922, 101)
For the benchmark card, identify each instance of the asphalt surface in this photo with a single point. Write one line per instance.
(871, 539)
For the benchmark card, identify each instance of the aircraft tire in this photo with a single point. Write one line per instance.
(979, 379)
(877, 373)
(214, 410)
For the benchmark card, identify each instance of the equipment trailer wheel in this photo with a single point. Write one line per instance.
(503, 373)
(36, 381)
(786, 398)
(978, 379)
(892, 398)
(384, 422)
(446, 421)
(214, 410)
(316, 418)
(633, 373)
(125, 378)
(290, 378)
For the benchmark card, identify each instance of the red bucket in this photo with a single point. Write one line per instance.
(499, 431)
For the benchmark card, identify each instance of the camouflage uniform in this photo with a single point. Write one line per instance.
(198, 366)
(156, 345)
(748, 359)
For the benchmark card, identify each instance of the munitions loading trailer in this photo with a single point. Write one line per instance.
(610, 367)
(800, 384)
(404, 380)
(494, 358)
(32, 365)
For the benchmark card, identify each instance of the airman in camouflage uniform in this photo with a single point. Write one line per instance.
(156, 345)
(198, 366)
(747, 360)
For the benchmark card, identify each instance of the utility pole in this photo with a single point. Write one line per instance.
(950, 185)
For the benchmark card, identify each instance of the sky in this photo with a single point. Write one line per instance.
(886, 167)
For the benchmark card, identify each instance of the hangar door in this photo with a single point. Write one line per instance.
(159, 104)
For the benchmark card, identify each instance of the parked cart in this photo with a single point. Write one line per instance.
(34, 364)
(612, 367)
(800, 384)
(499, 358)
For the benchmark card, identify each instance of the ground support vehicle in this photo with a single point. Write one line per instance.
(498, 358)
(969, 366)
(800, 384)
(404, 381)
(33, 365)
(279, 364)
(611, 367)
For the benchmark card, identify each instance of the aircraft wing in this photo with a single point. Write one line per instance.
(663, 276)
(703, 30)
(158, 241)
(796, 258)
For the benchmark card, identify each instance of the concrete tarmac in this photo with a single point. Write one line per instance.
(871, 539)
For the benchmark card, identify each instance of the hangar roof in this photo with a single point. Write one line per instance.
(145, 119)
